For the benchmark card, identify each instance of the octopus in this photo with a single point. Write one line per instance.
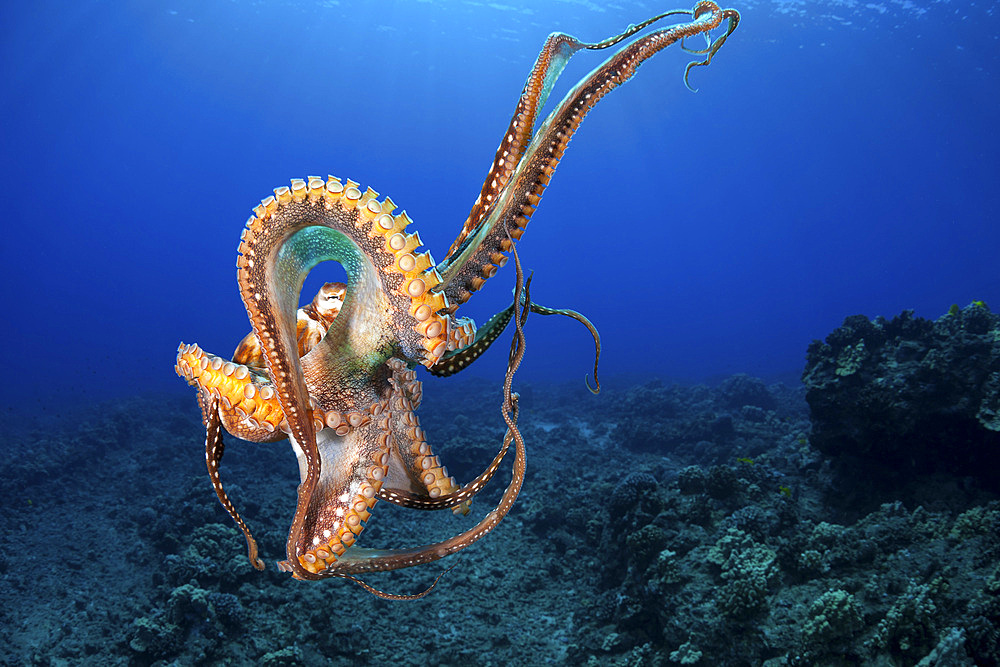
(338, 377)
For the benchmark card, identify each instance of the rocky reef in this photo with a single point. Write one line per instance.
(659, 524)
(890, 399)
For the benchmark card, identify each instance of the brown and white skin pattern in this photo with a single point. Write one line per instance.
(337, 377)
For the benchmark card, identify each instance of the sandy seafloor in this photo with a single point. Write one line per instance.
(658, 524)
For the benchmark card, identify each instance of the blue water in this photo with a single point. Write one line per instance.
(839, 158)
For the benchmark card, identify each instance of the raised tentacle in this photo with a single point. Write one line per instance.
(552, 59)
(477, 256)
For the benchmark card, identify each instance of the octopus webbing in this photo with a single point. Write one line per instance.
(338, 377)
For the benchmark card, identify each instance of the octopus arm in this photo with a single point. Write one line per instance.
(476, 254)
(288, 236)
(458, 499)
(552, 59)
(456, 360)
(214, 449)
(360, 561)
(357, 561)
(333, 514)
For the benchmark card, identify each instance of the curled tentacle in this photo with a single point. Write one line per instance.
(582, 319)
(734, 20)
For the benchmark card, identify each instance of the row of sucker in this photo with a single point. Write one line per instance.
(412, 446)
(404, 262)
(335, 539)
(555, 54)
(519, 132)
(458, 499)
(248, 403)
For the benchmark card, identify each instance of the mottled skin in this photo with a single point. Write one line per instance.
(338, 376)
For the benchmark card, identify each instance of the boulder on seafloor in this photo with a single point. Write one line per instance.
(909, 392)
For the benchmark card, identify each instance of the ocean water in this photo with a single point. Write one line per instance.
(838, 158)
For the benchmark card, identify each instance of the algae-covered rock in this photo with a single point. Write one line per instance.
(155, 638)
(834, 616)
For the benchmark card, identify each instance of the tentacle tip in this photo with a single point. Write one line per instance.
(687, 74)
(596, 389)
(392, 596)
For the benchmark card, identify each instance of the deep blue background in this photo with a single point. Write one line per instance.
(836, 160)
